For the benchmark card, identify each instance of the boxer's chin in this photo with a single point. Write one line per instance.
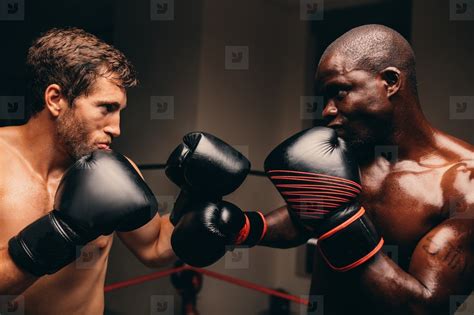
(81, 150)
(72, 135)
(77, 148)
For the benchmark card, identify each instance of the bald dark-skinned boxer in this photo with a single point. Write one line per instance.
(421, 202)
(77, 92)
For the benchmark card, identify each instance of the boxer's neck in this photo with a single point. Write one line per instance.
(412, 133)
(39, 144)
(412, 136)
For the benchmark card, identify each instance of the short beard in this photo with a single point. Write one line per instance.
(72, 134)
(364, 146)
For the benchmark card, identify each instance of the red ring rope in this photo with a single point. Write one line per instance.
(252, 286)
(236, 281)
(145, 278)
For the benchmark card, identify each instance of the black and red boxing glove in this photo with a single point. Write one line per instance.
(318, 177)
(204, 234)
(206, 168)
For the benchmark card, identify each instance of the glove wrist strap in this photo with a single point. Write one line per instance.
(254, 230)
(45, 246)
(351, 243)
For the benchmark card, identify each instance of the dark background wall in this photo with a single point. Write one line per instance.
(181, 61)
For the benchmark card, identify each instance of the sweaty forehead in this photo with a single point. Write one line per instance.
(107, 89)
(333, 65)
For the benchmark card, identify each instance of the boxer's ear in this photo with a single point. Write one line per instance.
(392, 78)
(54, 99)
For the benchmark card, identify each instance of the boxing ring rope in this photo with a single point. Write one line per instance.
(145, 278)
(252, 286)
(163, 166)
(212, 274)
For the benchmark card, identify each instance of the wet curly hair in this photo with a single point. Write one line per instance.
(73, 59)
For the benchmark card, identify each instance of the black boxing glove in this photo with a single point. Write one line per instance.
(206, 169)
(318, 177)
(204, 234)
(97, 195)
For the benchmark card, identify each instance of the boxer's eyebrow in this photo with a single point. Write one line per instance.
(116, 105)
(334, 83)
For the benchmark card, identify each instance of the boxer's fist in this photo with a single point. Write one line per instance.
(318, 177)
(204, 234)
(205, 168)
(98, 194)
(101, 193)
(315, 173)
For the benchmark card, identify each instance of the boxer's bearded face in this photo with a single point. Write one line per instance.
(356, 105)
(73, 135)
(93, 120)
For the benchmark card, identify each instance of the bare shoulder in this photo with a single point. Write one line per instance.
(457, 181)
(5, 156)
(8, 155)
(454, 149)
(458, 191)
(134, 166)
(5, 159)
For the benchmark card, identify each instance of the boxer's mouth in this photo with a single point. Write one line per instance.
(103, 146)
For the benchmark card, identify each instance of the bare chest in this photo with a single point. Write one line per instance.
(404, 205)
(24, 199)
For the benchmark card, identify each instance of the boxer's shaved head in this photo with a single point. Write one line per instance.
(368, 80)
(373, 48)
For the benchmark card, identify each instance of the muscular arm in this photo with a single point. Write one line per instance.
(441, 266)
(151, 243)
(283, 231)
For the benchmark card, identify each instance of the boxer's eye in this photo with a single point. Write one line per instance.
(341, 94)
(108, 107)
(336, 91)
